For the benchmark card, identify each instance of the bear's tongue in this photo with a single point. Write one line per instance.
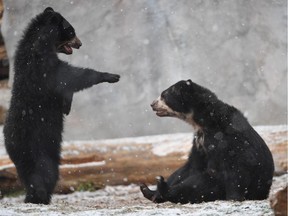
(68, 49)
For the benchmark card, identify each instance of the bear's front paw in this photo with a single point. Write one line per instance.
(112, 78)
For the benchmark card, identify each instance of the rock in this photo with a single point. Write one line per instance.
(278, 196)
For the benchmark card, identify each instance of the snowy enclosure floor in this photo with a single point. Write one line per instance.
(127, 200)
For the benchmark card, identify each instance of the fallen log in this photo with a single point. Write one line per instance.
(3, 112)
(95, 164)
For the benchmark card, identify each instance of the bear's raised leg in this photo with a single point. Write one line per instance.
(154, 196)
(176, 177)
(194, 189)
(179, 175)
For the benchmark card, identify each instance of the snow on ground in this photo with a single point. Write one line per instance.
(128, 201)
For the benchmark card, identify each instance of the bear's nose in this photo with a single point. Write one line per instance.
(76, 43)
(153, 103)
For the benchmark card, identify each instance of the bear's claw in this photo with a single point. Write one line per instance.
(112, 78)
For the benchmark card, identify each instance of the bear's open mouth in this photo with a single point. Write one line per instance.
(165, 113)
(161, 112)
(67, 46)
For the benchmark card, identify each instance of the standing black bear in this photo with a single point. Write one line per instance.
(42, 93)
(228, 160)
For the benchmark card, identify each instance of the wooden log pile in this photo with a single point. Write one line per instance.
(95, 164)
(3, 112)
(110, 162)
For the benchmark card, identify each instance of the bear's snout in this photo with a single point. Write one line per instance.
(75, 43)
(154, 104)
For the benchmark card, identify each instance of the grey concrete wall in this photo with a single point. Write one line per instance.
(237, 48)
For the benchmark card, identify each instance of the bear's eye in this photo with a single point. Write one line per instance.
(165, 95)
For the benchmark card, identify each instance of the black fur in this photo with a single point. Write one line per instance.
(42, 93)
(228, 159)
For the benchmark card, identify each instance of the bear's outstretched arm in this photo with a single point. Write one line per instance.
(180, 174)
(74, 79)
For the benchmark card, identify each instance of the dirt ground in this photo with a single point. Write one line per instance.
(128, 200)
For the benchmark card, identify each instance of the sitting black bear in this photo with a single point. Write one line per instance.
(42, 93)
(228, 159)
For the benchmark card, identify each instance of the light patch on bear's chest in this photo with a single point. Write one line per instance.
(190, 120)
(199, 139)
(199, 135)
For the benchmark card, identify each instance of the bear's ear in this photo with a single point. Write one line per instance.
(48, 9)
(189, 82)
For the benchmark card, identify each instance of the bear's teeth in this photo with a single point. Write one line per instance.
(68, 49)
